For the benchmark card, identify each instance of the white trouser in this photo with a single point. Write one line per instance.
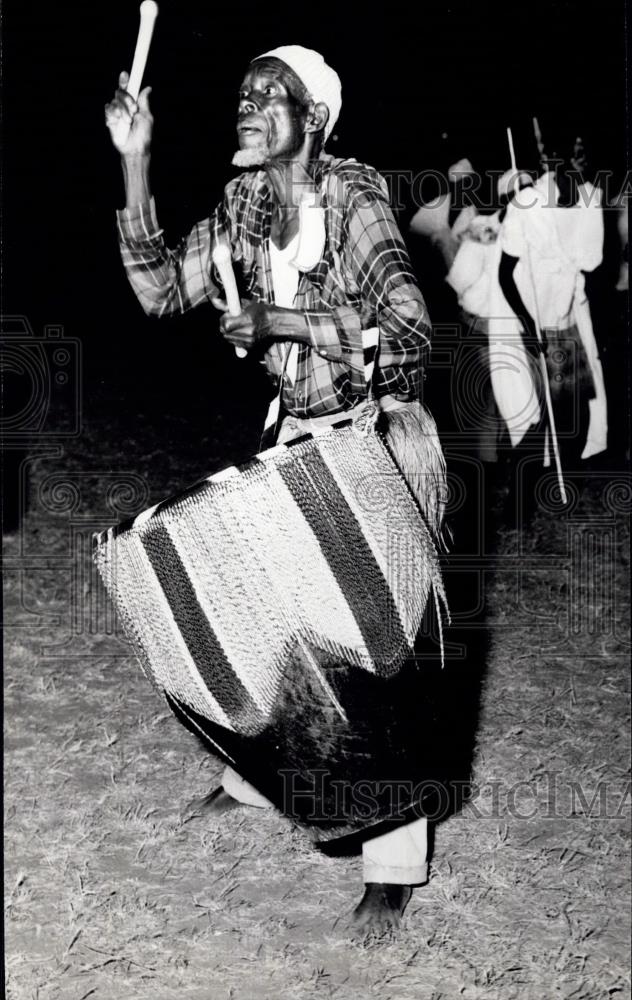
(398, 856)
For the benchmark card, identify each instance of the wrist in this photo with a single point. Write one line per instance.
(136, 178)
(279, 323)
(263, 326)
(135, 164)
(285, 324)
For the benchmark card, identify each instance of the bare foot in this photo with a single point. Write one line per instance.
(216, 803)
(381, 908)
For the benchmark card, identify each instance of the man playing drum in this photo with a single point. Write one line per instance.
(321, 262)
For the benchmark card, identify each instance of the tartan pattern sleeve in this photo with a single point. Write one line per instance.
(378, 257)
(364, 279)
(167, 281)
(337, 335)
(380, 281)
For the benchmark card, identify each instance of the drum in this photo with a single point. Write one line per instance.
(276, 606)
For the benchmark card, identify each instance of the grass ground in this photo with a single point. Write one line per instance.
(114, 889)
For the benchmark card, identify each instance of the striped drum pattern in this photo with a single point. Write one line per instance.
(315, 546)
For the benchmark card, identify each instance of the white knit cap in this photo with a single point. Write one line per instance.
(320, 80)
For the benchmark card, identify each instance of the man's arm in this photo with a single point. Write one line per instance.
(165, 281)
(131, 124)
(136, 178)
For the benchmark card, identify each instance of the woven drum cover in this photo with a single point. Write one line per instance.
(270, 603)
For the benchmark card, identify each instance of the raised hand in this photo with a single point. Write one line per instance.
(130, 122)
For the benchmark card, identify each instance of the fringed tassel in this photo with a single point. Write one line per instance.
(441, 605)
(411, 437)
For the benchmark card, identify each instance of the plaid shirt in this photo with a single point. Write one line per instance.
(364, 279)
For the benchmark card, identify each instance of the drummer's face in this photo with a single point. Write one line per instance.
(270, 116)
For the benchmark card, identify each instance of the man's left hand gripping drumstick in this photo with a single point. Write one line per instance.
(128, 116)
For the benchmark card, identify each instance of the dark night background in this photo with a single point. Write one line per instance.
(162, 403)
(423, 84)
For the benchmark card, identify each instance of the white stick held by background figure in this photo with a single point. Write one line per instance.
(224, 264)
(148, 15)
(538, 330)
(512, 154)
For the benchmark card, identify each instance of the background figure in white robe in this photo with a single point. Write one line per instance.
(494, 385)
(495, 382)
(545, 250)
(471, 256)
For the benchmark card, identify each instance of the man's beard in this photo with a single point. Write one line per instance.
(252, 156)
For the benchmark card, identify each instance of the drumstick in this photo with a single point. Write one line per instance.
(536, 131)
(512, 154)
(148, 15)
(223, 262)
